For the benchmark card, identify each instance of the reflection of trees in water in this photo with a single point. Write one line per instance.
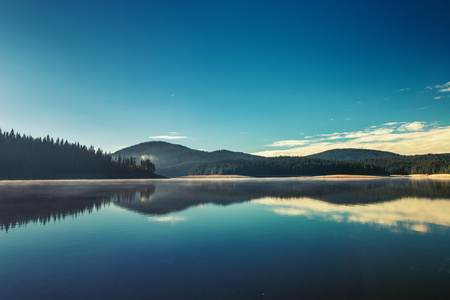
(175, 197)
(129, 195)
(44, 210)
(37, 202)
(339, 192)
(51, 201)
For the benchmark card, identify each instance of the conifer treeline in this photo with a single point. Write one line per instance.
(21, 154)
(415, 164)
(285, 166)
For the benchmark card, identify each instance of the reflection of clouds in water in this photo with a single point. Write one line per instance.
(291, 211)
(414, 214)
(167, 219)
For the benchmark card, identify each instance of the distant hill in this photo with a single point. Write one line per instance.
(174, 160)
(339, 161)
(353, 154)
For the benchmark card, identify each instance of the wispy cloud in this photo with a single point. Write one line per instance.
(414, 126)
(402, 90)
(443, 88)
(440, 88)
(441, 97)
(171, 136)
(398, 137)
(289, 143)
(390, 124)
(167, 137)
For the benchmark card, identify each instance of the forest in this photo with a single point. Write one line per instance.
(285, 166)
(288, 166)
(25, 157)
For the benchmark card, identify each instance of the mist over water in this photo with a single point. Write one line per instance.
(271, 238)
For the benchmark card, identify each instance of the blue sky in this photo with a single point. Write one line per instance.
(268, 77)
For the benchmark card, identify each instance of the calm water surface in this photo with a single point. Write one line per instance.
(225, 239)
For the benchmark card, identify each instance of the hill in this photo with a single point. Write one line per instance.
(174, 160)
(295, 166)
(353, 154)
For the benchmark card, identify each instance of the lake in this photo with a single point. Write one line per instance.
(272, 238)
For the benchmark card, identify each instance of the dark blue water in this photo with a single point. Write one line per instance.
(225, 239)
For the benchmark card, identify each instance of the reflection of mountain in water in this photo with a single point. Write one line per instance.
(178, 195)
(23, 202)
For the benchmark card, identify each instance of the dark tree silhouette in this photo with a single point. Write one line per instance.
(288, 166)
(147, 165)
(25, 157)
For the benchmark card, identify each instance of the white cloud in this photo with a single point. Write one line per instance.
(414, 126)
(168, 137)
(402, 90)
(288, 143)
(329, 134)
(391, 123)
(362, 134)
(334, 137)
(443, 88)
(399, 137)
(171, 136)
(441, 97)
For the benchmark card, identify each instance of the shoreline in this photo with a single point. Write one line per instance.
(230, 177)
(334, 176)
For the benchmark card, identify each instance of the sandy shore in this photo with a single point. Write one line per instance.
(335, 176)
(432, 176)
(214, 176)
(345, 176)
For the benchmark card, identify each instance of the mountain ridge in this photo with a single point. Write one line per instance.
(175, 160)
(353, 154)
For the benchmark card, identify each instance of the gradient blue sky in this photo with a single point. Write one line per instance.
(269, 77)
